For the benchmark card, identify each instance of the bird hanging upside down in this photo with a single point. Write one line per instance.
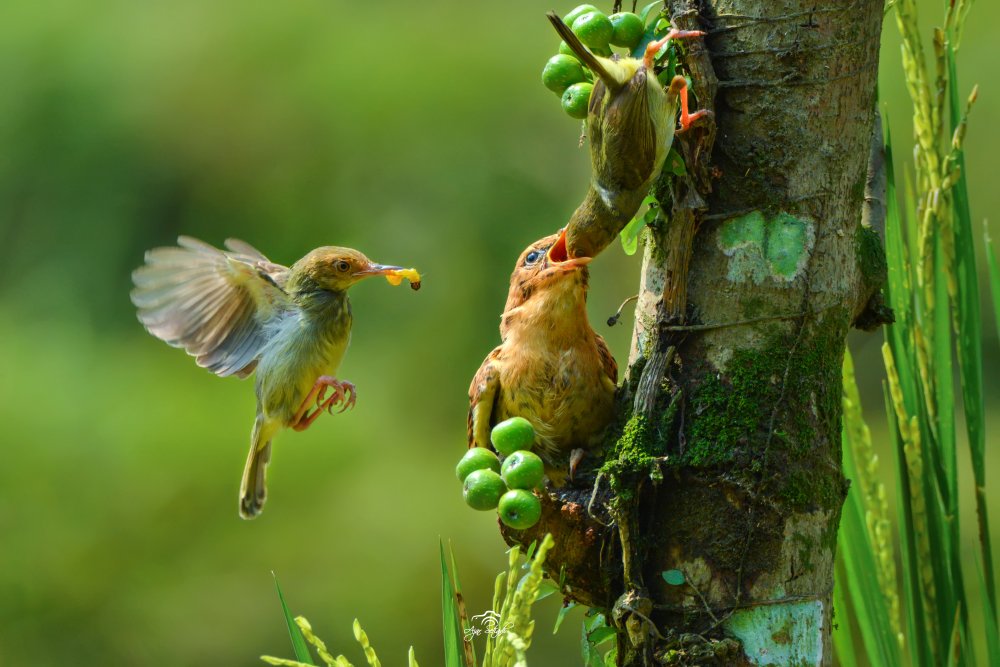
(551, 367)
(630, 125)
(237, 312)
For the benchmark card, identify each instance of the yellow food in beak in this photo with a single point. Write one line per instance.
(396, 277)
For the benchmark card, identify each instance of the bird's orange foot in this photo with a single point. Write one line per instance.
(679, 88)
(654, 47)
(343, 392)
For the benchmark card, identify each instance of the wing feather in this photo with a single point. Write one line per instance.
(607, 360)
(214, 304)
(482, 400)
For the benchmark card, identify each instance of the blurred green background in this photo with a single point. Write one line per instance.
(417, 132)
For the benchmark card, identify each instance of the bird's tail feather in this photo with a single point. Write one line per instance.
(253, 488)
(581, 51)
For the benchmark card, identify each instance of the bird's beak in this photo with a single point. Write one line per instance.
(559, 255)
(377, 270)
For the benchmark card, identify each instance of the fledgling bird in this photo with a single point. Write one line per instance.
(551, 367)
(630, 125)
(235, 311)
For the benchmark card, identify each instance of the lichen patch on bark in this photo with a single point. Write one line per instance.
(759, 247)
(783, 634)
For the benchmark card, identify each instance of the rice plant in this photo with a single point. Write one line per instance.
(920, 613)
(509, 627)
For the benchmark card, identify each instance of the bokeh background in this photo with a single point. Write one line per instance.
(417, 132)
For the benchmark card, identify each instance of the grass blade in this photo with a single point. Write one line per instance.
(468, 649)
(843, 634)
(920, 650)
(864, 541)
(994, 268)
(970, 337)
(992, 631)
(859, 566)
(299, 646)
(450, 621)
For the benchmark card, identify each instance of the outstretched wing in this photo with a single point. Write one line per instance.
(482, 399)
(214, 304)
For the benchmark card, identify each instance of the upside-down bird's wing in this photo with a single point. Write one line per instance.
(212, 303)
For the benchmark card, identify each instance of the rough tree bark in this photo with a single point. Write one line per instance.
(726, 463)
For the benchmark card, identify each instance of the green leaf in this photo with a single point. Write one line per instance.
(594, 619)
(630, 234)
(970, 337)
(546, 588)
(675, 163)
(449, 617)
(591, 656)
(910, 568)
(299, 646)
(644, 14)
(561, 616)
(674, 577)
(468, 648)
(843, 637)
(601, 635)
(858, 565)
(994, 268)
(640, 49)
(992, 630)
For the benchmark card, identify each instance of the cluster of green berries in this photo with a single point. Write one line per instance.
(487, 485)
(566, 76)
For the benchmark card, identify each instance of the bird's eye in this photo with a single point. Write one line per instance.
(343, 265)
(532, 257)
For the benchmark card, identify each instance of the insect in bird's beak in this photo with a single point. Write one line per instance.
(394, 274)
(558, 255)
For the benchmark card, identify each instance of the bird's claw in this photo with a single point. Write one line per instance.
(678, 87)
(344, 394)
(654, 47)
(688, 120)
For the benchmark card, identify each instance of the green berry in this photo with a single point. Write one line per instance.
(561, 72)
(512, 434)
(477, 458)
(482, 489)
(578, 12)
(594, 29)
(576, 99)
(522, 470)
(628, 29)
(520, 509)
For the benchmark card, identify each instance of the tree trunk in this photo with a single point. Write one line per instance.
(725, 471)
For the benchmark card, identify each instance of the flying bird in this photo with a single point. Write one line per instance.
(237, 312)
